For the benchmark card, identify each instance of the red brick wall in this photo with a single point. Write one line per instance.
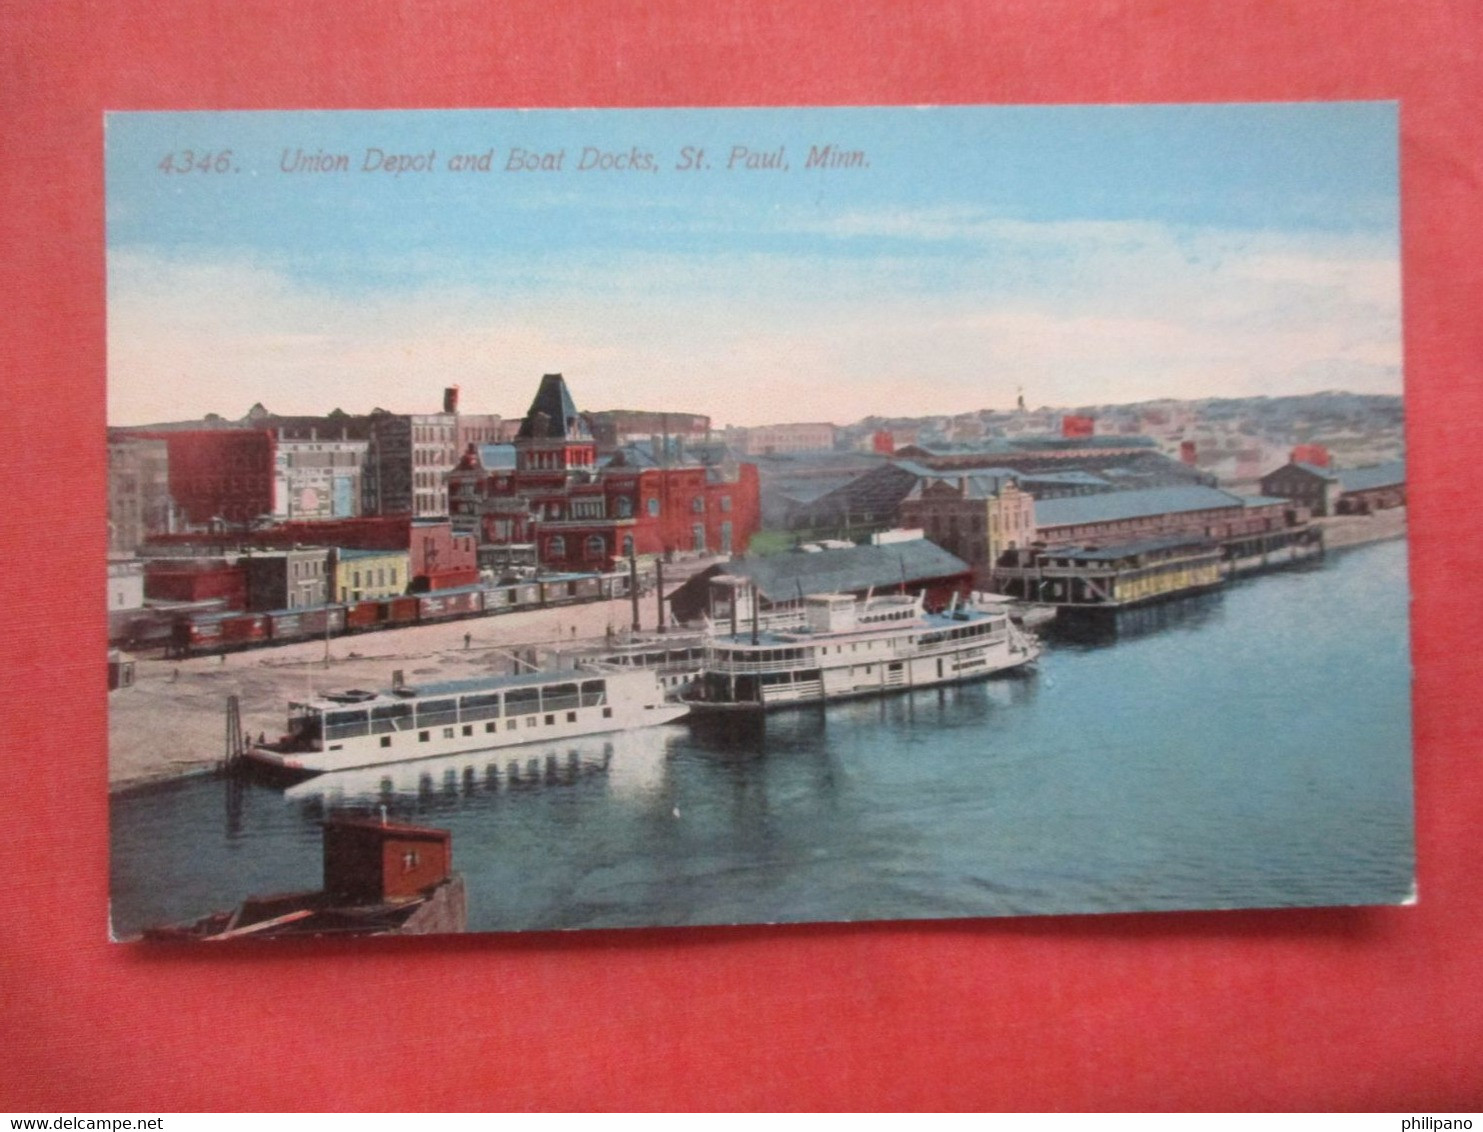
(221, 474)
(175, 581)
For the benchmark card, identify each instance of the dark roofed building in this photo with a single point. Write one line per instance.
(1314, 487)
(1373, 488)
(918, 566)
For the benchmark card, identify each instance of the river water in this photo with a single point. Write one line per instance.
(1248, 748)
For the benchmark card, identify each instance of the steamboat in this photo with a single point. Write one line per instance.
(348, 730)
(846, 648)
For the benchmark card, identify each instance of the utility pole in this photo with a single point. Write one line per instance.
(659, 589)
(633, 587)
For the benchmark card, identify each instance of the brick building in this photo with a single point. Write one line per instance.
(438, 557)
(295, 578)
(318, 477)
(408, 458)
(1191, 509)
(1373, 488)
(1316, 488)
(216, 476)
(976, 518)
(196, 579)
(583, 514)
(139, 500)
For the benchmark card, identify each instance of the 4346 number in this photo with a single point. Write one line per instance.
(194, 161)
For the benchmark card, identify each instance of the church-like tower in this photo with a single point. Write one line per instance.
(554, 437)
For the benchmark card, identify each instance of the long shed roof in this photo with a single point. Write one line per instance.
(780, 577)
(1376, 475)
(1115, 505)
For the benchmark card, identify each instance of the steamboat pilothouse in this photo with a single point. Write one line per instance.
(846, 648)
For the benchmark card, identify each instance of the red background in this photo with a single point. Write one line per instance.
(1332, 1008)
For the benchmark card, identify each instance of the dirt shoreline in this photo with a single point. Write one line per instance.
(1342, 531)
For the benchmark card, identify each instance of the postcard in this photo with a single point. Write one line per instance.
(557, 519)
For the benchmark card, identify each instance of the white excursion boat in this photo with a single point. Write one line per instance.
(345, 730)
(847, 648)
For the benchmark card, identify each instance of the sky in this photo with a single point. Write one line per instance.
(690, 260)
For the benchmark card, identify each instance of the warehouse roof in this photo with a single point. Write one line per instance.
(1376, 475)
(781, 577)
(1114, 505)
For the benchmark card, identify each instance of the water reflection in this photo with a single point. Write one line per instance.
(1101, 627)
(1215, 758)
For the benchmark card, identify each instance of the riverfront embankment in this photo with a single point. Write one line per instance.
(1340, 531)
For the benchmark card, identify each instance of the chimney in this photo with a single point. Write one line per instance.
(450, 399)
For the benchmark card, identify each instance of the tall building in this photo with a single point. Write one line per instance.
(407, 461)
(139, 501)
(318, 477)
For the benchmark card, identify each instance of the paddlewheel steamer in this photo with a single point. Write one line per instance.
(846, 648)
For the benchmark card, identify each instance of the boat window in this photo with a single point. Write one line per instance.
(482, 705)
(594, 692)
(557, 697)
(303, 723)
(346, 724)
(391, 717)
(522, 701)
(433, 713)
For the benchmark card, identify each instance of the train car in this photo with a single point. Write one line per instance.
(302, 624)
(501, 599)
(567, 589)
(613, 585)
(400, 611)
(199, 633)
(244, 629)
(363, 615)
(445, 605)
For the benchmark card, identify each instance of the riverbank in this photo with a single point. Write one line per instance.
(171, 722)
(1340, 531)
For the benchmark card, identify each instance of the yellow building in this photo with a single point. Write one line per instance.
(363, 574)
(976, 517)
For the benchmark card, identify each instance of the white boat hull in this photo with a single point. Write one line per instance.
(619, 713)
(853, 681)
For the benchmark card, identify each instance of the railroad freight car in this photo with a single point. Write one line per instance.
(300, 624)
(199, 632)
(363, 615)
(446, 605)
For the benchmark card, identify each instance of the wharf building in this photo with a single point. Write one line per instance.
(1131, 546)
(781, 582)
(580, 513)
(1046, 468)
(1329, 491)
